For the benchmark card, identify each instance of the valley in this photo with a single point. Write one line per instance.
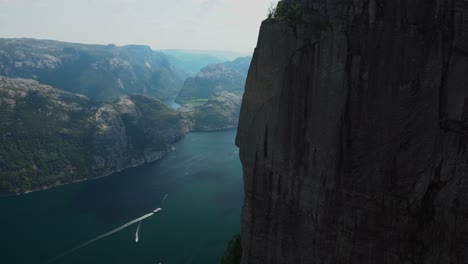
(242, 132)
(70, 113)
(53, 136)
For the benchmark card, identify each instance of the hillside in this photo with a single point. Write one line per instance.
(50, 137)
(228, 76)
(219, 112)
(103, 73)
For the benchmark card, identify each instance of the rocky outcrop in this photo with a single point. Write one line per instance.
(220, 112)
(50, 137)
(103, 73)
(212, 99)
(353, 134)
(133, 131)
(228, 76)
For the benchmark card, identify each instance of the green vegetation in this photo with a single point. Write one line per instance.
(285, 11)
(35, 162)
(221, 111)
(39, 145)
(294, 13)
(233, 252)
(49, 137)
(155, 127)
(103, 73)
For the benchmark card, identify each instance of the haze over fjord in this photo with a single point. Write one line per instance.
(179, 24)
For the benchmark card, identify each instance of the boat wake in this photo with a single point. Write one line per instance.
(139, 219)
(164, 199)
(137, 231)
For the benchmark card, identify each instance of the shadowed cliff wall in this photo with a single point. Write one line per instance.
(353, 135)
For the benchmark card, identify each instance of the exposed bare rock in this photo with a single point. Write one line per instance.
(353, 134)
(220, 112)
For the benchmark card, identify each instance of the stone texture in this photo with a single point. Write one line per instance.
(353, 135)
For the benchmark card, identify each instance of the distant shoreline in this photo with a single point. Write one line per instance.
(43, 188)
(115, 172)
(214, 129)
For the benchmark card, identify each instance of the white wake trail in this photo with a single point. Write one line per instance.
(105, 235)
(136, 233)
(164, 199)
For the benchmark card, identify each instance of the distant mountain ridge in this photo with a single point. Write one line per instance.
(228, 76)
(101, 72)
(212, 98)
(192, 61)
(227, 55)
(83, 111)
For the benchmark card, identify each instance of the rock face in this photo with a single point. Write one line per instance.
(353, 135)
(134, 130)
(103, 73)
(228, 76)
(50, 137)
(220, 112)
(212, 99)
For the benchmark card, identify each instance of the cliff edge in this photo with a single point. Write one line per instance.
(353, 134)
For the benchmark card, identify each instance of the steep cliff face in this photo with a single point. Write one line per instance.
(353, 135)
(50, 137)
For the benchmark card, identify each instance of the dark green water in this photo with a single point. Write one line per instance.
(203, 180)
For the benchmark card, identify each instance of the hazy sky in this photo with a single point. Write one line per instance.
(162, 24)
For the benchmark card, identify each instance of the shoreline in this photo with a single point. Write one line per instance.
(44, 188)
(213, 129)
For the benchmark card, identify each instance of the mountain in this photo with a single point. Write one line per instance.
(222, 54)
(228, 76)
(103, 73)
(353, 134)
(212, 99)
(190, 62)
(220, 112)
(50, 137)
